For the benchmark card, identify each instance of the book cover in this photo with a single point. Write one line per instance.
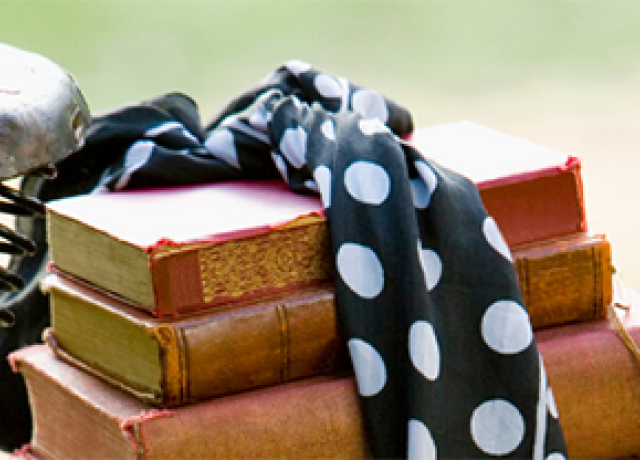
(177, 360)
(182, 249)
(595, 376)
(565, 280)
(532, 191)
(170, 362)
(309, 418)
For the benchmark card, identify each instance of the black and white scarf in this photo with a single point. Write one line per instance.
(441, 344)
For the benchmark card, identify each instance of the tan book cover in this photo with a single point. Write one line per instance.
(175, 361)
(565, 280)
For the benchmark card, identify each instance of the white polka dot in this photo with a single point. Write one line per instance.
(327, 86)
(186, 133)
(297, 67)
(294, 146)
(367, 182)
(299, 105)
(220, 143)
(370, 104)
(369, 367)
(260, 118)
(281, 165)
(423, 187)
(551, 403)
(506, 327)
(431, 266)
(555, 456)
(167, 127)
(328, 130)
(360, 269)
(322, 176)
(163, 128)
(421, 445)
(424, 350)
(494, 238)
(371, 126)
(138, 154)
(311, 185)
(497, 427)
(135, 158)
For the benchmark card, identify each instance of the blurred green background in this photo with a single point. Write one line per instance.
(561, 73)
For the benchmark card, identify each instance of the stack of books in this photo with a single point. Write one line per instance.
(198, 322)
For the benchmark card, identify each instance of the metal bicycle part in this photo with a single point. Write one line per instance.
(43, 114)
(43, 119)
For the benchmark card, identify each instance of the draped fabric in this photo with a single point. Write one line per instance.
(441, 345)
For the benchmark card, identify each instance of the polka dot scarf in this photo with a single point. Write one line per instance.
(442, 348)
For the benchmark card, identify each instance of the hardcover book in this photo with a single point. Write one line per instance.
(594, 370)
(532, 191)
(565, 280)
(79, 416)
(175, 361)
(181, 249)
(185, 359)
(594, 377)
(178, 250)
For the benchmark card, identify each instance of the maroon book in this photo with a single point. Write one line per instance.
(532, 192)
(185, 248)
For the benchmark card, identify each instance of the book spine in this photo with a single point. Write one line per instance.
(231, 349)
(539, 208)
(569, 280)
(284, 259)
(310, 418)
(594, 378)
(256, 346)
(584, 362)
(596, 387)
(250, 345)
(534, 209)
(173, 364)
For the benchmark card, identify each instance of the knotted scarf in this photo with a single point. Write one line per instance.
(441, 344)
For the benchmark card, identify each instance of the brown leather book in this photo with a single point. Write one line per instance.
(594, 376)
(181, 249)
(565, 280)
(174, 361)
